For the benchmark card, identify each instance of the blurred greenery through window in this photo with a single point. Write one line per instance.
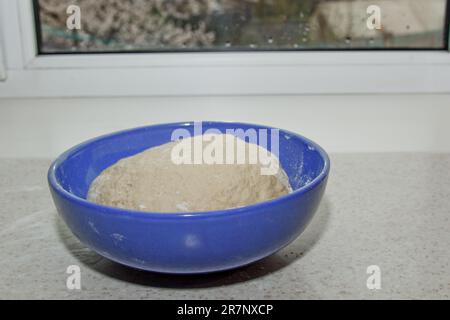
(233, 25)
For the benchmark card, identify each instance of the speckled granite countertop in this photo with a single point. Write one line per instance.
(389, 210)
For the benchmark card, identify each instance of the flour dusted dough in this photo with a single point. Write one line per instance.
(151, 181)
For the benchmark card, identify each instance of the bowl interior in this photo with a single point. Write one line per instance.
(302, 159)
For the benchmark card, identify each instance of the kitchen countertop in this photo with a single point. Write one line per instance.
(391, 210)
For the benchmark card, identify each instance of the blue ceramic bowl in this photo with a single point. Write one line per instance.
(194, 242)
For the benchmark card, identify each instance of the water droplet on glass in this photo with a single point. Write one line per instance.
(301, 15)
(228, 44)
(252, 45)
(304, 39)
(371, 41)
(295, 45)
(348, 40)
(270, 40)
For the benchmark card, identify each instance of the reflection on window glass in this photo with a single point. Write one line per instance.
(170, 25)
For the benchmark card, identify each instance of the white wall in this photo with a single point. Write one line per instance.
(340, 123)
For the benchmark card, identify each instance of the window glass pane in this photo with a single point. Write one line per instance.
(199, 25)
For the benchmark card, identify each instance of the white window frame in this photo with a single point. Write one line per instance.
(208, 73)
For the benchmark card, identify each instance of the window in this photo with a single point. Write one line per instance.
(223, 47)
(240, 25)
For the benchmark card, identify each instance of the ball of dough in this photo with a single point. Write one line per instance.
(151, 181)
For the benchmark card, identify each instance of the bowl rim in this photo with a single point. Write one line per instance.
(57, 187)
